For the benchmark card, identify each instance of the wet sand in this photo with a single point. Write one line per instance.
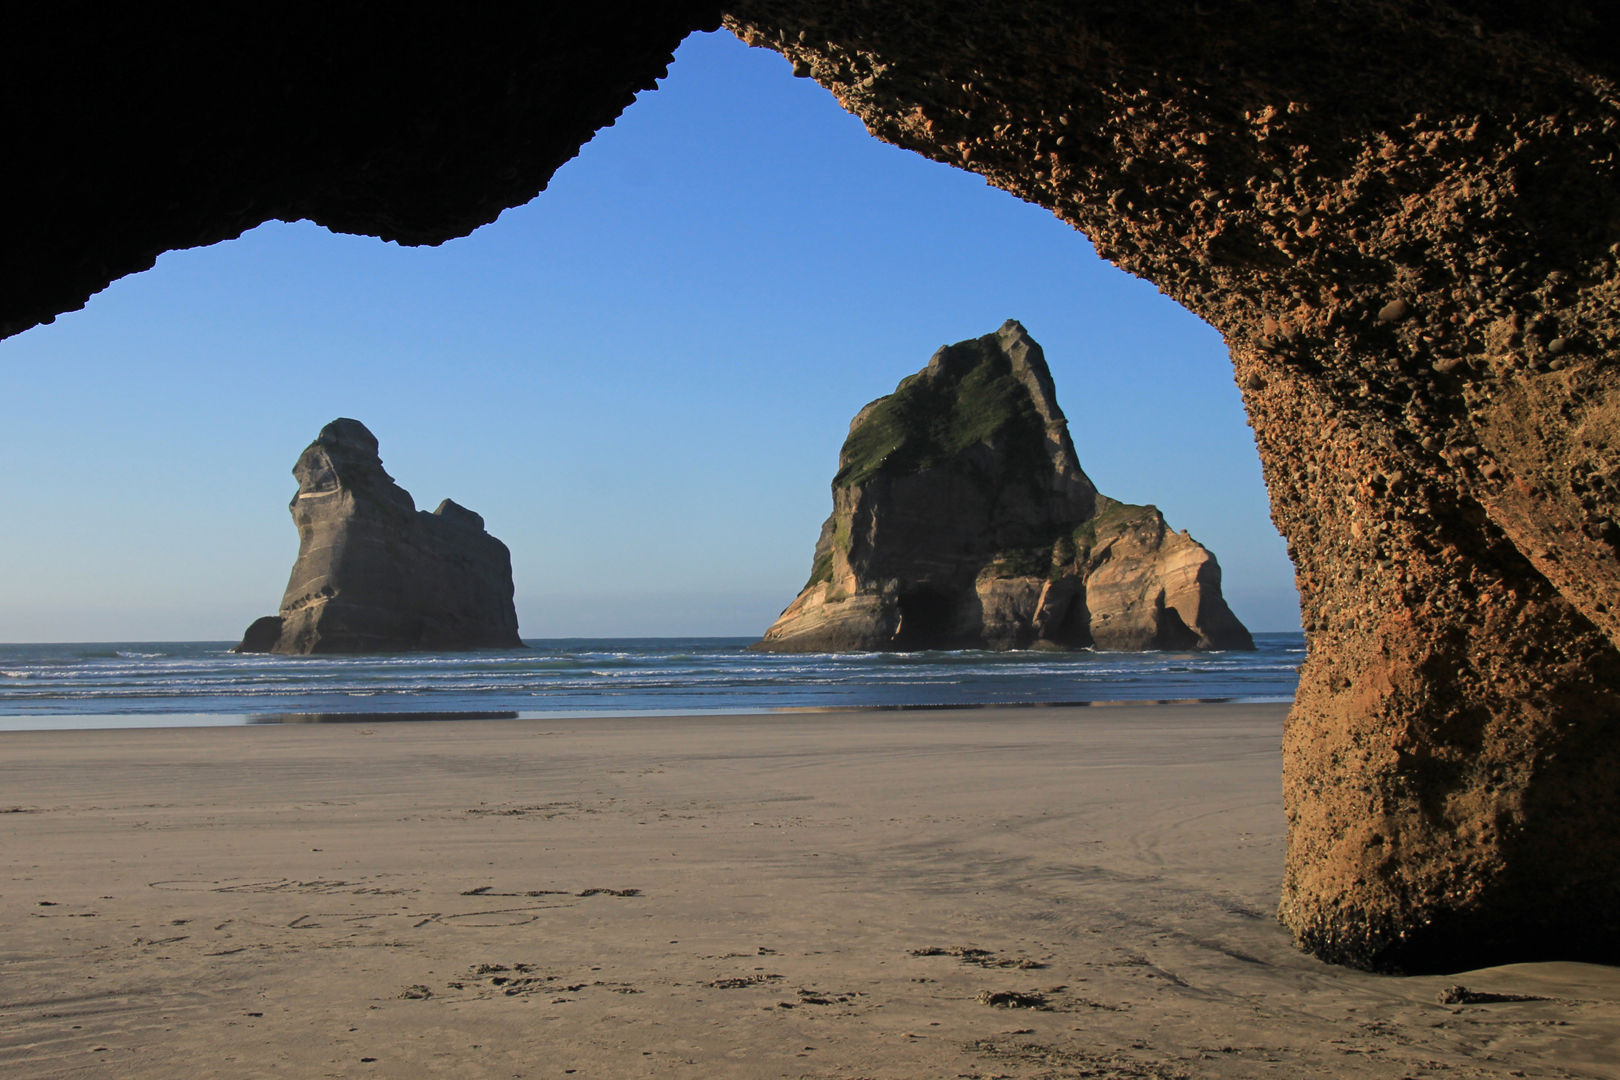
(1023, 893)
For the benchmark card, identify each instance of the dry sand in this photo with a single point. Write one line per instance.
(810, 895)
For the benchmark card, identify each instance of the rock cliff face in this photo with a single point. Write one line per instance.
(376, 575)
(962, 519)
(1404, 220)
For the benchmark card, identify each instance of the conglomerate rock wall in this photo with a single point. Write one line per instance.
(1402, 215)
(1403, 219)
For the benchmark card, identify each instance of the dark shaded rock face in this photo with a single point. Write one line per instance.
(1402, 216)
(262, 636)
(376, 575)
(962, 519)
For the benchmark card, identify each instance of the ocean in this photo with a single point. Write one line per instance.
(201, 683)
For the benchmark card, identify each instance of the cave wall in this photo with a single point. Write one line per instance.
(1402, 216)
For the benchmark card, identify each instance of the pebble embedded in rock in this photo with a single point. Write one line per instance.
(1394, 311)
(1557, 345)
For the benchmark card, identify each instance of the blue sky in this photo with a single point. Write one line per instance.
(641, 379)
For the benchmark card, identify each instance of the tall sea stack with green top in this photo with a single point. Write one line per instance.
(962, 520)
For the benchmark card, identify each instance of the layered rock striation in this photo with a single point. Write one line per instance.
(962, 519)
(376, 575)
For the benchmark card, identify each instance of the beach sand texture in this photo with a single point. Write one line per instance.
(818, 895)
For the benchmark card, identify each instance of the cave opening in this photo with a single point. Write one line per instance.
(925, 618)
(856, 261)
(1410, 253)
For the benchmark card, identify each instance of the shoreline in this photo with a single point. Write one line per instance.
(140, 720)
(187, 685)
(822, 896)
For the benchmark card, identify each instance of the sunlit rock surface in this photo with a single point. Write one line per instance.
(962, 519)
(376, 575)
(1404, 220)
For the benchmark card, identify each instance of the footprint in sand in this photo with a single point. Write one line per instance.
(985, 958)
(503, 917)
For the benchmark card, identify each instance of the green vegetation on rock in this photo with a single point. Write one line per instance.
(841, 538)
(934, 416)
(821, 570)
(1020, 562)
(1111, 519)
(1111, 515)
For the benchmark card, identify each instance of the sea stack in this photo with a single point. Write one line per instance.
(376, 575)
(962, 520)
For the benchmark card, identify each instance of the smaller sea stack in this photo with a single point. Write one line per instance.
(376, 575)
(962, 520)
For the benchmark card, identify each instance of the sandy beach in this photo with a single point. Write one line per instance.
(1019, 893)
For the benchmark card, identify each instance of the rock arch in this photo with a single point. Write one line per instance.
(1402, 215)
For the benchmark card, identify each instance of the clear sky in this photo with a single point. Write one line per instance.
(641, 379)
